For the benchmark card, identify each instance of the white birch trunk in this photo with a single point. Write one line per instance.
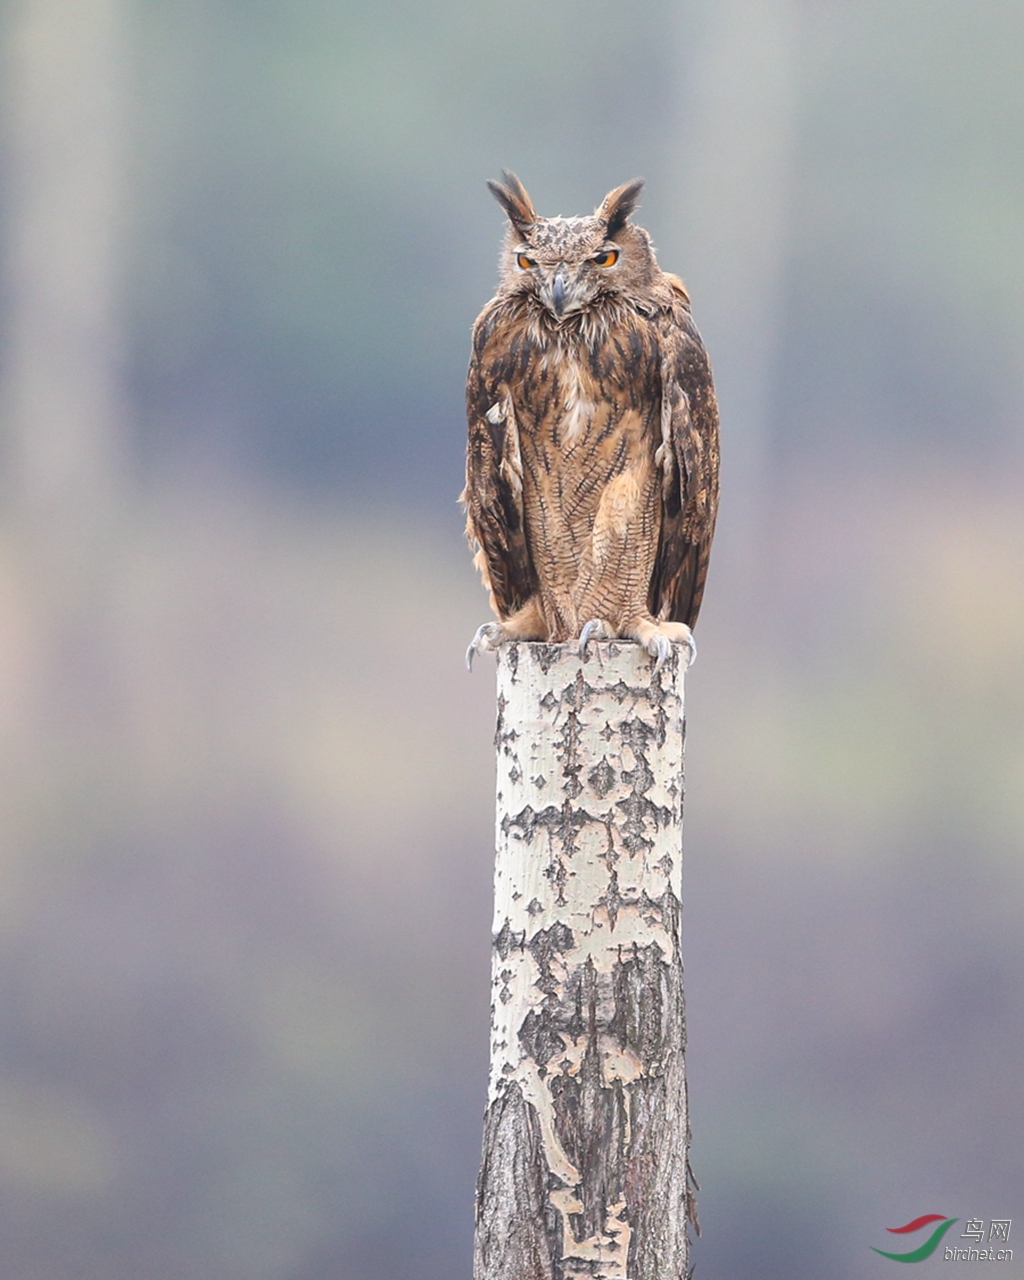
(731, 233)
(585, 1168)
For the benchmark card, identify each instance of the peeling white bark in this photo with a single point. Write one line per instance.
(585, 1146)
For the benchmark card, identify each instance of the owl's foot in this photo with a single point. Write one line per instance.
(526, 623)
(487, 639)
(658, 638)
(595, 629)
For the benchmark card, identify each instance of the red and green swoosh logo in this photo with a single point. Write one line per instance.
(930, 1245)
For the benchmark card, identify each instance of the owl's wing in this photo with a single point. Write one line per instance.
(690, 462)
(493, 496)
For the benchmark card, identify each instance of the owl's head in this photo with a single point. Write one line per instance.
(570, 264)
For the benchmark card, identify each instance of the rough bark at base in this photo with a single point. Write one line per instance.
(584, 1169)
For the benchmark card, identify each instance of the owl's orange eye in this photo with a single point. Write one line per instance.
(524, 262)
(606, 259)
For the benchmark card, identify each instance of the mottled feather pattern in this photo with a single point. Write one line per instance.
(592, 463)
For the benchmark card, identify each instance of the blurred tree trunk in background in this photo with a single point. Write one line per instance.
(733, 154)
(64, 113)
(584, 1168)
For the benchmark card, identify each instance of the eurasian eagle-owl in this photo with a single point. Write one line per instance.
(592, 466)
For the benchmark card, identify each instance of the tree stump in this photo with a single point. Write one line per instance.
(585, 1170)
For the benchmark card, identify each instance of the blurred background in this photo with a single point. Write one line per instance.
(245, 780)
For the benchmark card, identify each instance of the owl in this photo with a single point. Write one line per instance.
(592, 464)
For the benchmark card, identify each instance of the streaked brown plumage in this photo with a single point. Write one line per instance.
(592, 465)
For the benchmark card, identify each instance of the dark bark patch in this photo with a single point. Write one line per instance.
(518, 1234)
(507, 940)
(576, 695)
(610, 856)
(637, 735)
(564, 824)
(590, 1120)
(503, 735)
(602, 778)
(637, 812)
(539, 1038)
(567, 748)
(638, 980)
(612, 900)
(634, 810)
(547, 655)
(557, 874)
(545, 944)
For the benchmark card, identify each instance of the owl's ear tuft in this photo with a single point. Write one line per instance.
(514, 199)
(617, 205)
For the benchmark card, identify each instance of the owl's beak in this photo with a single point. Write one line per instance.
(559, 287)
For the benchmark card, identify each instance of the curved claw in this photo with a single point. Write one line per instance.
(488, 637)
(594, 628)
(660, 648)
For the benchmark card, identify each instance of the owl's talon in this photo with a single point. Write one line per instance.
(658, 641)
(488, 636)
(595, 629)
(660, 648)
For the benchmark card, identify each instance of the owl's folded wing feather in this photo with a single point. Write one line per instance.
(493, 496)
(690, 460)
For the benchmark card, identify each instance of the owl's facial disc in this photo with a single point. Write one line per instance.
(566, 287)
(566, 263)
